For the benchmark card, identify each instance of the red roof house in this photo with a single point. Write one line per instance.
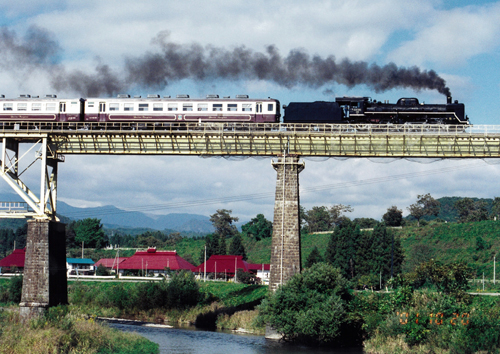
(109, 262)
(223, 264)
(153, 261)
(15, 259)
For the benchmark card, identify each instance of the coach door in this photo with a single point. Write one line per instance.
(102, 112)
(62, 112)
(258, 112)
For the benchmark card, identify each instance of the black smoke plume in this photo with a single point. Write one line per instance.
(173, 62)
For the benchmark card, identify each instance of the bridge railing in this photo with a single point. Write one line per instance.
(242, 128)
(14, 207)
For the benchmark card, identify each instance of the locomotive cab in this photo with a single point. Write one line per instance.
(353, 107)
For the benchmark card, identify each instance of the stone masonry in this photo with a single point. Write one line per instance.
(44, 282)
(285, 248)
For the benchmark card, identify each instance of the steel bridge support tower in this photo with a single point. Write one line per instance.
(44, 281)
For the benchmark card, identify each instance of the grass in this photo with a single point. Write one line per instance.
(453, 242)
(65, 331)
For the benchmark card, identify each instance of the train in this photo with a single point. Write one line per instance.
(240, 109)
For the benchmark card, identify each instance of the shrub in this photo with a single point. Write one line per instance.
(183, 290)
(15, 289)
(102, 270)
(310, 306)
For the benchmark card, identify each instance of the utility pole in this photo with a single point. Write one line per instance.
(205, 266)
(118, 262)
(494, 268)
(235, 270)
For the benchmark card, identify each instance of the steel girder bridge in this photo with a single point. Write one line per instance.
(49, 142)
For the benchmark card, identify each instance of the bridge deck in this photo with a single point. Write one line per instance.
(243, 139)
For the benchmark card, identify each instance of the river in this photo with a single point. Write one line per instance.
(192, 341)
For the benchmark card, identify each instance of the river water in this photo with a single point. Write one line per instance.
(192, 341)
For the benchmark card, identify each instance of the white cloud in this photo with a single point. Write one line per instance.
(452, 37)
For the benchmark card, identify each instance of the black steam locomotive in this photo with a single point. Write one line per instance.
(362, 110)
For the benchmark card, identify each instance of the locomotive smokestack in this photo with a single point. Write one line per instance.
(448, 99)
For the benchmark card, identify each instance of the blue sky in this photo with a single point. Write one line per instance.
(458, 39)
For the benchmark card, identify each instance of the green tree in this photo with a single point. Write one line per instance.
(321, 218)
(314, 257)
(393, 216)
(365, 223)
(450, 278)
(310, 306)
(337, 213)
(211, 246)
(318, 219)
(481, 244)
(91, 233)
(495, 209)
(470, 210)
(222, 249)
(70, 235)
(222, 222)
(342, 249)
(236, 247)
(425, 205)
(258, 228)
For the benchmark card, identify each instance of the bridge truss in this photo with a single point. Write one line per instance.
(51, 141)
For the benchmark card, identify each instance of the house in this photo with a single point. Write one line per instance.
(109, 263)
(13, 261)
(154, 262)
(80, 266)
(222, 267)
(261, 270)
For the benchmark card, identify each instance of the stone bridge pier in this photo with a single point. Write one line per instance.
(285, 248)
(44, 282)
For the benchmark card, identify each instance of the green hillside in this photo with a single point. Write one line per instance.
(473, 243)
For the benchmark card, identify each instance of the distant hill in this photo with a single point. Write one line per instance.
(112, 217)
(115, 218)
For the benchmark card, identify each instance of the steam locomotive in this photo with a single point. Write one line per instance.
(183, 109)
(364, 110)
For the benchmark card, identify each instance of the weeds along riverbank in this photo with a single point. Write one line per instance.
(64, 330)
(182, 300)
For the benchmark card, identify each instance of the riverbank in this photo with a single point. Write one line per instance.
(220, 305)
(63, 330)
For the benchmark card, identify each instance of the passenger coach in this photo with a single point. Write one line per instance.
(181, 109)
(35, 109)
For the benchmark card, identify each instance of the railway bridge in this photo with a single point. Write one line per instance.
(45, 282)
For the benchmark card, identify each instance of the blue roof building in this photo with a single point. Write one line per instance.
(80, 266)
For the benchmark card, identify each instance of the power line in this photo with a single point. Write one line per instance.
(255, 196)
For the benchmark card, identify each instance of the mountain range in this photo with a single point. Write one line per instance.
(112, 217)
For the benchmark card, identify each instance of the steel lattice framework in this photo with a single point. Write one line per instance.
(221, 139)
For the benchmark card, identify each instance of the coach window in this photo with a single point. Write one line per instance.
(114, 106)
(217, 107)
(247, 107)
(172, 106)
(187, 107)
(143, 107)
(128, 107)
(270, 107)
(158, 107)
(232, 107)
(7, 106)
(202, 107)
(50, 107)
(36, 107)
(22, 106)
